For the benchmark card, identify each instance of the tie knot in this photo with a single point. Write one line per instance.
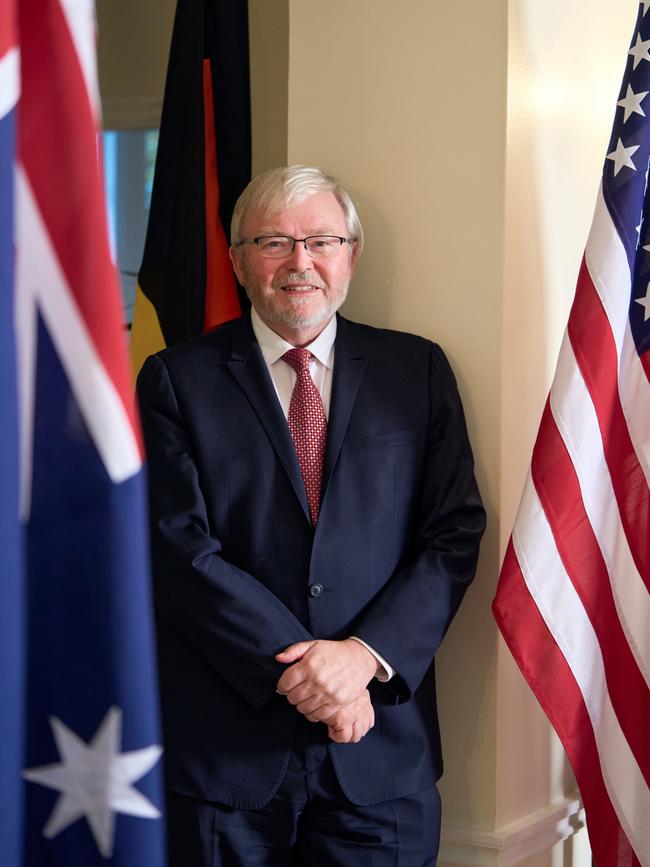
(298, 359)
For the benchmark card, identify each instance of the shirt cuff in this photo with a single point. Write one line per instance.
(387, 671)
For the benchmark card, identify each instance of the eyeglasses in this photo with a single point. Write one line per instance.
(279, 246)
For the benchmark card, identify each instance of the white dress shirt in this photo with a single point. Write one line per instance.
(283, 376)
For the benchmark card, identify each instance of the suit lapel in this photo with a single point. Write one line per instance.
(247, 366)
(349, 368)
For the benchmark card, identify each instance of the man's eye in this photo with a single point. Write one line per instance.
(273, 243)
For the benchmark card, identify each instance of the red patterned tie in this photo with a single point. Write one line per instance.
(308, 427)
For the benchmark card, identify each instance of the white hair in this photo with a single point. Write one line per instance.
(276, 189)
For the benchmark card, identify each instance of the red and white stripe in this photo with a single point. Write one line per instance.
(63, 265)
(573, 601)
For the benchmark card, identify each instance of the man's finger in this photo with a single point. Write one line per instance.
(291, 679)
(302, 693)
(317, 705)
(294, 652)
(341, 735)
(325, 713)
(297, 688)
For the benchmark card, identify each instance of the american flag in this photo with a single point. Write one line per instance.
(572, 601)
(80, 773)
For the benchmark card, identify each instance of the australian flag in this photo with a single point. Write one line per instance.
(80, 771)
(11, 588)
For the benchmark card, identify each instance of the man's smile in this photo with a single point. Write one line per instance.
(301, 288)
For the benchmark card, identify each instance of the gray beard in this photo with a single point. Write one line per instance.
(293, 318)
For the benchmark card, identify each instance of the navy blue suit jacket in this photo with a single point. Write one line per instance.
(235, 555)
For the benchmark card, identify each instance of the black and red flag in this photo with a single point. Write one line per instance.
(186, 283)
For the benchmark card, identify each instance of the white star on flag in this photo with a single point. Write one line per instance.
(639, 51)
(622, 156)
(95, 780)
(632, 102)
(645, 302)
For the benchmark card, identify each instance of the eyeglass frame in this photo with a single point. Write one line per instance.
(295, 241)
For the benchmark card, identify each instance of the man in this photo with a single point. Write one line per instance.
(315, 523)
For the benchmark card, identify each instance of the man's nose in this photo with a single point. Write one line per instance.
(299, 257)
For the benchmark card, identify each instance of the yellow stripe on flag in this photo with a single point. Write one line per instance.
(146, 336)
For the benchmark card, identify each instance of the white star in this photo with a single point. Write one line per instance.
(622, 156)
(94, 780)
(645, 303)
(639, 51)
(632, 101)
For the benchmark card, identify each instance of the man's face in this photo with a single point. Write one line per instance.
(297, 295)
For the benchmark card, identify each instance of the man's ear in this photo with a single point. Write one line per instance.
(235, 254)
(354, 252)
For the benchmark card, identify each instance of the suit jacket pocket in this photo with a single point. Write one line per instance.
(387, 440)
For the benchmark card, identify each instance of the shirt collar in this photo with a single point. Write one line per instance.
(273, 346)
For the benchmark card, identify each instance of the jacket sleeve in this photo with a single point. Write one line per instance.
(407, 620)
(234, 621)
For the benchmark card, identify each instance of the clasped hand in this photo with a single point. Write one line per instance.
(326, 681)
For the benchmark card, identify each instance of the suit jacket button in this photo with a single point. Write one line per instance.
(315, 590)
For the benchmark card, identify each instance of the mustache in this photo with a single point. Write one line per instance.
(290, 278)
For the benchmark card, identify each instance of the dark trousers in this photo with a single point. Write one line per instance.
(309, 823)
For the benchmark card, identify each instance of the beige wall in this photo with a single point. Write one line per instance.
(133, 49)
(566, 60)
(269, 65)
(482, 258)
(472, 136)
(406, 104)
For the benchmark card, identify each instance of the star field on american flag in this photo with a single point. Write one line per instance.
(632, 103)
(625, 175)
(640, 50)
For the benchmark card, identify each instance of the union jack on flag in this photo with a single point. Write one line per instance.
(572, 601)
(80, 771)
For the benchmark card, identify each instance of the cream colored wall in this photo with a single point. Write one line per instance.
(412, 119)
(406, 104)
(268, 26)
(475, 228)
(566, 60)
(133, 50)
